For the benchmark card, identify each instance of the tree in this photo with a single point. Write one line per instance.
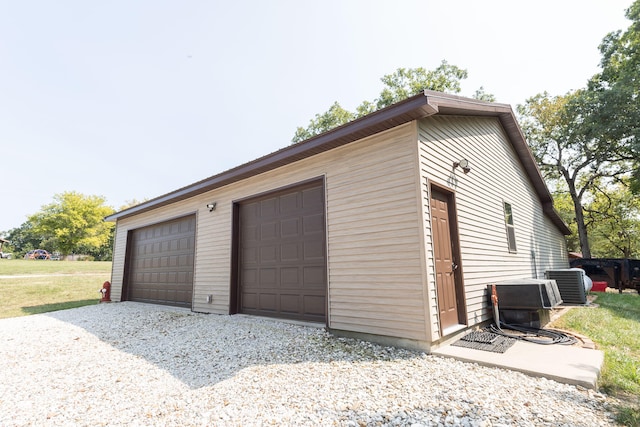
(74, 222)
(23, 239)
(613, 218)
(400, 85)
(567, 149)
(406, 82)
(590, 139)
(482, 95)
(615, 91)
(333, 117)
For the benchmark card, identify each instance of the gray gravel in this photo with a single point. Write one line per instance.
(140, 364)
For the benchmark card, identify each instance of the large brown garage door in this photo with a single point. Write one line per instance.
(160, 267)
(282, 265)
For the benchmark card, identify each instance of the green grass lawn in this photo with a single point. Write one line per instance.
(614, 325)
(53, 285)
(39, 266)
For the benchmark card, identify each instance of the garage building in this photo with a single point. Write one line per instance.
(388, 228)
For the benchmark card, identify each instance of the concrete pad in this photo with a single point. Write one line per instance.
(566, 364)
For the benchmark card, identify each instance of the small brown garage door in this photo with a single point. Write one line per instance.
(282, 265)
(160, 267)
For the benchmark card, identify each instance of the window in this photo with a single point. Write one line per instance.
(511, 231)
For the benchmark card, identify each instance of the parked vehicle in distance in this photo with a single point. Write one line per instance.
(619, 273)
(55, 256)
(5, 255)
(37, 254)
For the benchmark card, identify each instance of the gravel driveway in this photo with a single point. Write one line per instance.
(141, 364)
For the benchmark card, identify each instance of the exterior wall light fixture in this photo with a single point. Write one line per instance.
(464, 164)
(211, 206)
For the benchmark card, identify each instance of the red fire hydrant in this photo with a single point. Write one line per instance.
(106, 292)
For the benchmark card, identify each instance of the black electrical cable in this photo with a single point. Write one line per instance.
(551, 336)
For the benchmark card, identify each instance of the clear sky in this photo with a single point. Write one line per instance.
(134, 99)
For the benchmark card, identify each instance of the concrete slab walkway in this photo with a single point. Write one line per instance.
(566, 364)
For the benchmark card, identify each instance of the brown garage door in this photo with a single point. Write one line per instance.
(160, 267)
(282, 263)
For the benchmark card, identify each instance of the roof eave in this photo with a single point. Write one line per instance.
(414, 108)
(403, 112)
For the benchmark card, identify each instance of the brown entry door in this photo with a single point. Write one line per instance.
(282, 263)
(444, 260)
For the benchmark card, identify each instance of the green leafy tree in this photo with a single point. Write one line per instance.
(24, 239)
(406, 82)
(569, 151)
(400, 85)
(482, 95)
(105, 252)
(332, 118)
(589, 140)
(615, 91)
(613, 217)
(74, 222)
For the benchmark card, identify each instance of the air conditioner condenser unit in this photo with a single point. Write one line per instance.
(528, 294)
(573, 284)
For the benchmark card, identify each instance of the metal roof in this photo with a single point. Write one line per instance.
(419, 106)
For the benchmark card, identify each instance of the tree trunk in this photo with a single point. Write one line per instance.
(582, 228)
(577, 207)
(626, 249)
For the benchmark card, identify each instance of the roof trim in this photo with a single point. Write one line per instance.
(416, 107)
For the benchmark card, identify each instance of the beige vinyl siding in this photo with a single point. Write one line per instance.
(374, 260)
(496, 177)
(376, 283)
